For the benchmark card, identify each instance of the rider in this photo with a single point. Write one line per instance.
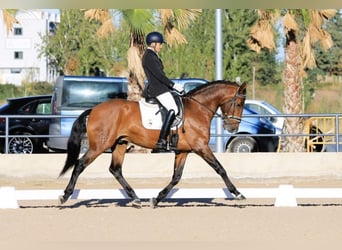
(159, 85)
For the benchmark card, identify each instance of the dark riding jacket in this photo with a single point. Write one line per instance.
(158, 82)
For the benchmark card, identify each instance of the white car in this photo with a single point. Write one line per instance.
(264, 108)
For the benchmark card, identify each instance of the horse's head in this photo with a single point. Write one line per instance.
(232, 109)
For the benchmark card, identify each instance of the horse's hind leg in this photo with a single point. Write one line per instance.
(210, 158)
(80, 165)
(116, 169)
(177, 175)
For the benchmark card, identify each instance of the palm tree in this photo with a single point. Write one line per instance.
(302, 28)
(140, 22)
(9, 19)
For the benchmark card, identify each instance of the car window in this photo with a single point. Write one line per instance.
(190, 86)
(257, 108)
(27, 109)
(88, 94)
(43, 109)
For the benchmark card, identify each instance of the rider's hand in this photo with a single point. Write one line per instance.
(179, 88)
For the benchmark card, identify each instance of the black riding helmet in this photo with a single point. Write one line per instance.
(154, 37)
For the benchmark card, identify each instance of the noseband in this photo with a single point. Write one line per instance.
(225, 116)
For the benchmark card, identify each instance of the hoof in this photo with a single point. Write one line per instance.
(240, 197)
(153, 202)
(136, 203)
(62, 200)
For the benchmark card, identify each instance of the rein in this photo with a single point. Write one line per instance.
(224, 116)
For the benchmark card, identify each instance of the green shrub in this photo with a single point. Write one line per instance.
(26, 89)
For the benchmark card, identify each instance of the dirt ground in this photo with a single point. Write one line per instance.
(183, 224)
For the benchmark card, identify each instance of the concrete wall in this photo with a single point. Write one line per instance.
(258, 165)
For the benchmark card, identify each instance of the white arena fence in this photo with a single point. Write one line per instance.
(284, 195)
(328, 135)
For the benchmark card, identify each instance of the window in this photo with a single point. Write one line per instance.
(18, 31)
(91, 93)
(43, 109)
(52, 27)
(18, 55)
(15, 70)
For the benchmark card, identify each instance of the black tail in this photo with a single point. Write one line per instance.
(74, 142)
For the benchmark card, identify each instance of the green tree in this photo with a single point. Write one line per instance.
(74, 50)
(196, 57)
(302, 28)
(267, 69)
(238, 59)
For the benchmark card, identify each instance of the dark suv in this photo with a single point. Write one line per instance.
(22, 127)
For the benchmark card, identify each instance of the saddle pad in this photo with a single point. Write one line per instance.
(151, 117)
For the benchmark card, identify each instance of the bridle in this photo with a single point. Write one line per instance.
(225, 116)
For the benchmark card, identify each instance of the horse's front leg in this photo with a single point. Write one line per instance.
(210, 158)
(177, 175)
(116, 169)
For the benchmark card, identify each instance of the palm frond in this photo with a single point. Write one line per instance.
(106, 28)
(174, 37)
(308, 53)
(326, 40)
(176, 20)
(104, 17)
(316, 31)
(328, 13)
(261, 34)
(9, 19)
(290, 23)
(101, 15)
(140, 21)
(181, 18)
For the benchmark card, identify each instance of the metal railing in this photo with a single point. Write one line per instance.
(328, 130)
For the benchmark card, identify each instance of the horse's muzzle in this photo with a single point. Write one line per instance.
(230, 127)
(231, 124)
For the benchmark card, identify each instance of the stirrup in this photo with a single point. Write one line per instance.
(162, 146)
(160, 150)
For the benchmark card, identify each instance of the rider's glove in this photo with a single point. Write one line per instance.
(178, 88)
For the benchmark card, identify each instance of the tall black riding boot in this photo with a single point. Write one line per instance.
(161, 145)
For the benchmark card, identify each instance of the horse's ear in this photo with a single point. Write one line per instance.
(243, 88)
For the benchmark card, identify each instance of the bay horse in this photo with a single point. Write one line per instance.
(116, 122)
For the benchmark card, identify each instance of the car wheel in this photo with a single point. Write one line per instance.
(21, 144)
(316, 141)
(242, 145)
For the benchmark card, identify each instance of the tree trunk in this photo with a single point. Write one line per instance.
(293, 96)
(136, 79)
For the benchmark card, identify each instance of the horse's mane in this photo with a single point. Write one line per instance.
(202, 87)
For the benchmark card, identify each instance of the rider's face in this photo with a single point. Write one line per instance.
(157, 47)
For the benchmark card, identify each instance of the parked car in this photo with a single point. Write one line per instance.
(264, 108)
(255, 134)
(23, 128)
(73, 95)
(313, 142)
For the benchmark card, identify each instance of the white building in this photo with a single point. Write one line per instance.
(19, 49)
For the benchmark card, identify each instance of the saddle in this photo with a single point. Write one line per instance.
(153, 114)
